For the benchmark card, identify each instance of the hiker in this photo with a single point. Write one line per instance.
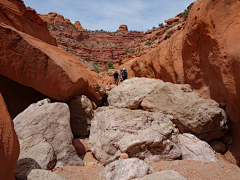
(123, 74)
(115, 77)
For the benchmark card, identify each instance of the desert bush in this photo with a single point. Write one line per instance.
(130, 51)
(148, 43)
(161, 25)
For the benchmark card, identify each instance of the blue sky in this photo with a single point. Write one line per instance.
(138, 15)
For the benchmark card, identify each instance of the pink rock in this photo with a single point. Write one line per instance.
(81, 146)
(124, 156)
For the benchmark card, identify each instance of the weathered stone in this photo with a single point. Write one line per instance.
(42, 123)
(9, 145)
(124, 156)
(147, 136)
(189, 111)
(38, 154)
(195, 149)
(81, 113)
(163, 175)
(131, 92)
(81, 146)
(39, 174)
(218, 146)
(125, 169)
(123, 27)
(227, 139)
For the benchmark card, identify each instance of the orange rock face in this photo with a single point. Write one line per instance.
(58, 20)
(78, 25)
(123, 27)
(9, 145)
(15, 14)
(47, 69)
(203, 52)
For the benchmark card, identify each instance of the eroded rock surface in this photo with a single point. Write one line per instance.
(9, 145)
(189, 110)
(195, 149)
(147, 136)
(44, 125)
(39, 174)
(125, 169)
(81, 114)
(163, 175)
(131, 92)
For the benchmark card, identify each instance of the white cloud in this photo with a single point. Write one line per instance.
(108, 15)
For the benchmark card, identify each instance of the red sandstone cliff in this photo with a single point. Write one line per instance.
(15, 14)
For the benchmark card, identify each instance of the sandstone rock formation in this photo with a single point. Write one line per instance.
(123, 27)
(15, 14)
(131, 92)
(125, 169)
(78, 25)
(194, 149)
(163, 175)
(9, 145)
(81, 114)
(148, 136)
(56, 19)
(190, 111)
(39, 174)
(203, 53)
(45, 123)
(57, 74)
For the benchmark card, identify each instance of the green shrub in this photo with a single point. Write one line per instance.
(153, 39)
(74, 26)
(96, 70)
(130, 51)
(97, 42)
(93, 45)
(109, 63)
(154, 27)
(148, 43)
(161, 25)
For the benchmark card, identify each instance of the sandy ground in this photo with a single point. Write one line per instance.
(191, 170)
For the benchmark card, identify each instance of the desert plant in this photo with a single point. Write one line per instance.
(148, 43)
(154, 27)
(161, 25)
(95, 63)
(130, 51)
(92, 45)
(97, 42)
(153, 39)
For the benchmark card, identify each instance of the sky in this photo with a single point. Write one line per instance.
(108, 15)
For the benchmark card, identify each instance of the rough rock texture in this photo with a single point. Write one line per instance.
(57, 74)
(78, 25)
(81, 114)
(163, 175)
(204, 53)
(9, 145)
(131, 92)
(56, 19)
(189, 111)
(39, 174)
(194, 149)
(15, 14)
(123, 27)
(125, 169)
(46, 122)
(147, 136)
(81, 146)
(218, 146)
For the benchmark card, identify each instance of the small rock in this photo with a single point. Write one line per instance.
(227, 139)
(81, 146)
(39, 174)
(124, 156)
(125, 169)
(163, 175)
(218, 146)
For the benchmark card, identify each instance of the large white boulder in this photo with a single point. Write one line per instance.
(125, 169)
(130, 93)
(189, 111)
(195, 149)
(147, 136)
(45, 136)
